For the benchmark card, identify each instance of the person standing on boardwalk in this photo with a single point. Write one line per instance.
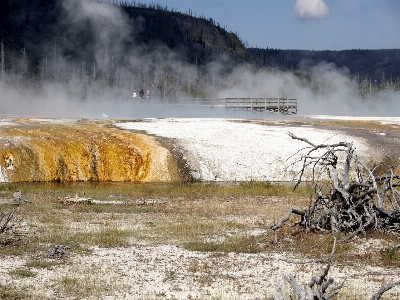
(148, 94)
(141, 94)
(134, 96)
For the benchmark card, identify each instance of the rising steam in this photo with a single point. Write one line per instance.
(328, 90)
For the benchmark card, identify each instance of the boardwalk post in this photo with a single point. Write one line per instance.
(265, 104)
(287, 105)
(279, 105)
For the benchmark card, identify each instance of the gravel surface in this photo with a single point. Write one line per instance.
(170, 272)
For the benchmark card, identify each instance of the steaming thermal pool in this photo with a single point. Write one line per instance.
(239, 150)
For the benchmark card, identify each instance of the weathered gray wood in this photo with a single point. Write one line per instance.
(291, 211)
(8, 221)
(257, 104)
(345, 204)
(317, 287)
(58, 251)
(276, 105)
(379, 294)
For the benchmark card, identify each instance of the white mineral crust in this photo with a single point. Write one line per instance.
(236, 150)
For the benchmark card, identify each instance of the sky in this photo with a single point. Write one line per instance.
(302, 24)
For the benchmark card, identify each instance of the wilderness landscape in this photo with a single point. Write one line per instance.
(70, 58)
(104, 196)
(204, 240)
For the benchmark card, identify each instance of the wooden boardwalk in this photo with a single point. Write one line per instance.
(285, 106)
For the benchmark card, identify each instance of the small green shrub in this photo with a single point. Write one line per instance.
(170, 276)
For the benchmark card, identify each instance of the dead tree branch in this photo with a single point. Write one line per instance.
(320, 287)
(379, 294)
(291, 211)
(8, 225)
(9, 221)
(352, 198)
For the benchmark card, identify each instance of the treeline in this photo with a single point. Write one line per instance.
(37, 25)
(152, 47)
(82, 80)
(374, 70)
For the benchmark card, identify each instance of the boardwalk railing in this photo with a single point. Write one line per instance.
(284, 106)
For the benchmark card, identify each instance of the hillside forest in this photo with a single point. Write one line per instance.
(92, 48)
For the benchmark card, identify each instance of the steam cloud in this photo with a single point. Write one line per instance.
(336, 94)
(108, 22)
(311, 9)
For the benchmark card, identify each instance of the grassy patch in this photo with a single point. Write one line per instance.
(76, 286)
(19, 247)
(319, 246)
(390, 256)
(210, 218)
(87, 282)
(124, 191)
(237, 244)
(22, 272)
(77, 240)
(109, 238)
(42, 264)
(51, 219)
(11, 293)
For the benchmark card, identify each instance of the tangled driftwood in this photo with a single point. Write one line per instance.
(353, 199)
(348, 197)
